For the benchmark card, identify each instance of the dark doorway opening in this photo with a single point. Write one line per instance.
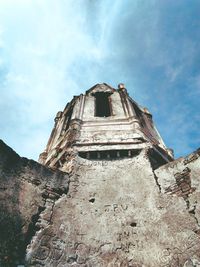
(102, 104)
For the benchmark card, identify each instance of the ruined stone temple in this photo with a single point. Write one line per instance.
(106, 192)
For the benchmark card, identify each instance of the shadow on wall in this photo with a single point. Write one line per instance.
(12, 245)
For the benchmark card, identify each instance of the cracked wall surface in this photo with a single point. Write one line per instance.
(121, 217)
(109, 194)
(125, 216)
(26, 188)
(182, 178)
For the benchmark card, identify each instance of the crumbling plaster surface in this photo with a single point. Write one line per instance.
(26, 188)
(126, 216)
(128, 125)
(109, 212)
(182, 177)
(116, 218)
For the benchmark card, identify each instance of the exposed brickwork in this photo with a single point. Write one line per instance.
(121, 200)
(182, 186)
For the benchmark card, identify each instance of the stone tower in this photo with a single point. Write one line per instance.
(103, 124)
(107, 193)
(122, 208)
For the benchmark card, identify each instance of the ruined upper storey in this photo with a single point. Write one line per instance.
(103, 123)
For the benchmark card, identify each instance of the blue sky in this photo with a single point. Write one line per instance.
(51, 50)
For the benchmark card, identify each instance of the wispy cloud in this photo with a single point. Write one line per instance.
(51, 50)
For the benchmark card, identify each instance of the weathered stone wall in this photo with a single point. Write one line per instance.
(182, 178)
(114, 206)
(128, 125)
(117, 214)
(26, 189)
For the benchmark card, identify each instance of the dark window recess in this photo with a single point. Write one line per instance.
(102, 104)
(109, 154)
(69, 115)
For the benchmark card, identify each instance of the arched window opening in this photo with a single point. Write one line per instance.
(102, 104)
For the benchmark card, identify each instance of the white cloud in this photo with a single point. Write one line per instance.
(51, 50)
(41, 43)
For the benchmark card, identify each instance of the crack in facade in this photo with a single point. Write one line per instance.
(107, 192)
